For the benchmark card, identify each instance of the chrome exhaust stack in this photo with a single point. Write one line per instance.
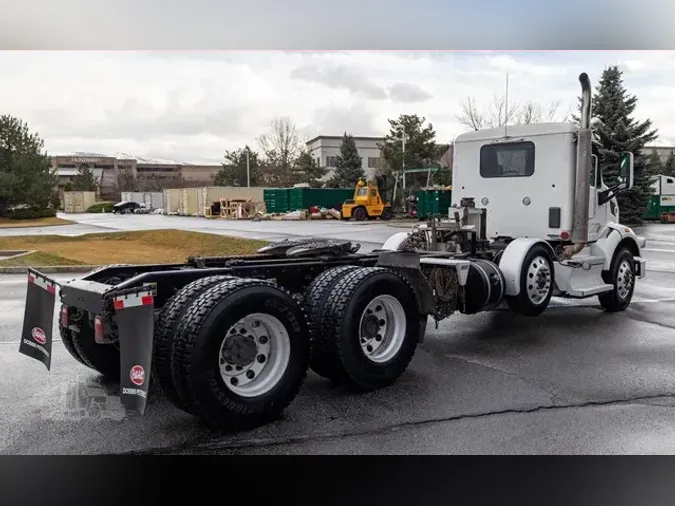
(581, 193)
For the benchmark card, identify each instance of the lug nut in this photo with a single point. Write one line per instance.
(262, 339)
(242, 331)
(378, 337)
(381, 322)
(239, 368)
(234, 381)
(256, 323)
(261, 358)
(250, 374)
(369, 348)
(228, 368)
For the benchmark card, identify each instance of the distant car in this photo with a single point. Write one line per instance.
(126, 207)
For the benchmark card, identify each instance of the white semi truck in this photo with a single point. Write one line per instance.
(230, 339)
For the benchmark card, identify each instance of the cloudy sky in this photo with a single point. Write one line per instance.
(193, 105)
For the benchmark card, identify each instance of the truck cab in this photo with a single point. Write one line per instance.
(532, 211)
(524, 176)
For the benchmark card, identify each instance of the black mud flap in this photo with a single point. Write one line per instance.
(135, 316)
(38, 318)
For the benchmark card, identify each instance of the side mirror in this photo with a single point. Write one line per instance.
(625, 178)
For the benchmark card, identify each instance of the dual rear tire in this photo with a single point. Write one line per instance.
(232, 351)
(364, 324)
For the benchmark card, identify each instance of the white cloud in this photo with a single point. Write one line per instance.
(195, 105)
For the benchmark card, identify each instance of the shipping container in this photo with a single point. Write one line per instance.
(172, 198)
(78, 201)
(152, 200)
(277, 200)
(304, 198)
(189, 202)
(208, 195)
(433, 201)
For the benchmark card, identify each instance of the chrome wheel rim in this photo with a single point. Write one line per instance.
(254, 355)
(382, 328)
(539, 279)
(624, 279)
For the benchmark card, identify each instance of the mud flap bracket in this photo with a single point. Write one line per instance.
(135, 317)
(38, 318)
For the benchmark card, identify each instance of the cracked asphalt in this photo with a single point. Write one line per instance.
(573, 381)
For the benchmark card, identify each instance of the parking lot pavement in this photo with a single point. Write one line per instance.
(575, 380)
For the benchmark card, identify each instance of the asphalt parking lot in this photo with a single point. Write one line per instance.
(575, 380)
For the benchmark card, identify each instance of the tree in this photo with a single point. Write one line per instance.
(306, 170)
(498, 113)
(26, 174)
(126, 182)
(280, 148)
(84, 180)
(668, 168)
(233, 171)
(621, 132)
(421, 149)
(348, 165)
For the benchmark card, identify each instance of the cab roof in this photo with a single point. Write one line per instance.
(518, 131)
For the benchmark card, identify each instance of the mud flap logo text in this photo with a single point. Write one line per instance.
(134, 391)
(36, 346)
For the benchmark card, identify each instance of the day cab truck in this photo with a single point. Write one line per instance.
(230, 340)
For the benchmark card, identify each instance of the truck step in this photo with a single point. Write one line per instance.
(588, 291)
(585, 259)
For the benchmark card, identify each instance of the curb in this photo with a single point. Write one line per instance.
(48, 269)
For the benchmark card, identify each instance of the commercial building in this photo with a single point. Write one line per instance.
(108, 168)
(663, 151)
(325, 148)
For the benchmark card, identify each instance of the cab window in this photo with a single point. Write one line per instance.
(513, 159)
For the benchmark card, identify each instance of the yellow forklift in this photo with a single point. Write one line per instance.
(367, 202)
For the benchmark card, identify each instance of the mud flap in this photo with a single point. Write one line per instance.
(38, 318)
(135, 316)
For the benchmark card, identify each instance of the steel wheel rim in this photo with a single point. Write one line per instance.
(624, 279)
(254, 355)
(539, 279)
(382, 328)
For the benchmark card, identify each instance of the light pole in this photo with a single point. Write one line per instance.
(248, 167)
(403, 155)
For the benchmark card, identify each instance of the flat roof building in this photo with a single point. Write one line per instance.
(108, 168)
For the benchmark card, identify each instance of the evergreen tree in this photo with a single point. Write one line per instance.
(668, 168)
(348, 165)
(233, 172)
(84, 180)
(306, 170)
(614, 106)
(654, 164)
(421, 149)
(26, 174)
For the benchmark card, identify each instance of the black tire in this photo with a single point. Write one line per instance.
(622, 265)
(325, 360)
(165, 330)
(341, 323)
(103, 358)
(521, 304)
(67, 340)
(386, 213)
(195, 354)
(360, 214)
